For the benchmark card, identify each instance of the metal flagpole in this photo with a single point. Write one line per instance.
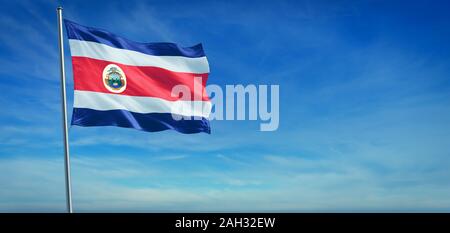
(64, 112)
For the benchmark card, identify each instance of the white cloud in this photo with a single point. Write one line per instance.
(107, 184)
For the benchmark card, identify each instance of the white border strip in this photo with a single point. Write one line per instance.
(197, 65)
(139, 104)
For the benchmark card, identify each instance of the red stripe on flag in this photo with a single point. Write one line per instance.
(141, 80)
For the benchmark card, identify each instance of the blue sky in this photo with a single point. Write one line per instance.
(364, 110)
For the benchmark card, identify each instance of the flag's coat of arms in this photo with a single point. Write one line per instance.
(123, 83)
(114, 78)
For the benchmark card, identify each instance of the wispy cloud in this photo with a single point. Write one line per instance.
(99, 185)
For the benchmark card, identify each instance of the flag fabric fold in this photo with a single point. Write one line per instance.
(119, 82)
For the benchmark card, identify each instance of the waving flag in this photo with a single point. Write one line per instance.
(123, 83)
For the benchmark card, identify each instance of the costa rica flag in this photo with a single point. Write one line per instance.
(119, 82)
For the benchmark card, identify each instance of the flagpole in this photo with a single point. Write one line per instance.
(64, 112)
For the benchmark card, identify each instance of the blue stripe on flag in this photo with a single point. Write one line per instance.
(78, 32)
(150, 122)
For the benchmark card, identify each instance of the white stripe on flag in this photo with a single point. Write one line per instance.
(198, 65)
(140, 104)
